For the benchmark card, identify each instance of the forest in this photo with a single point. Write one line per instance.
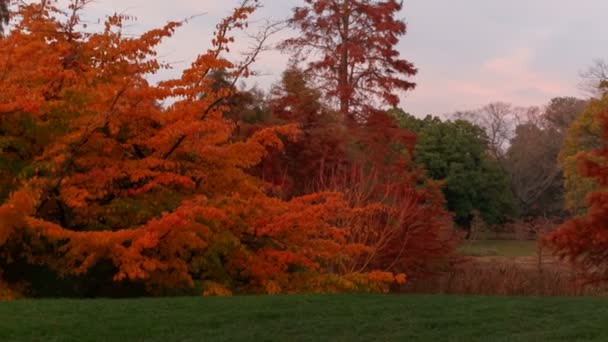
(112, 185)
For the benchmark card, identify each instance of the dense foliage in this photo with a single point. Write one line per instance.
(106, 191)
(526, 143)
(114, 185)
(584, 239)
(369, 162)
(455, 153)
(583, 136)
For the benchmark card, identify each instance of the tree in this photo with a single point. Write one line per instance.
(455, 152)
(320, 151)
(350, 55)
(414, 234)
(246, 108)
(561, 112)
(594, 80)
(526, 143)
(155, 200)
(370, 164)
(583, 136)
(532, 157)
(535, 175)
(355, 43)
(411, 233)
(583, 240)
(498, 119)
(4, 14)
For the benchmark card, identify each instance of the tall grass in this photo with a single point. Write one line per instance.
(503, 277)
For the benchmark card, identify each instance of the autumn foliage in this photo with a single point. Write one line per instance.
(409, 229)
(349, 49)
(584, 240)
(102, 181)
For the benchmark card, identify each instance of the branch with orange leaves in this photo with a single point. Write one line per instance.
(242, 70)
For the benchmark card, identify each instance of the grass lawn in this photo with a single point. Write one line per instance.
(501, 248)
(308, 318)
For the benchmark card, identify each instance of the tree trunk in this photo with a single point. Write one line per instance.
(343, 84)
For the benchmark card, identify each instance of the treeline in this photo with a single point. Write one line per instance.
(503, 162)
(314, 186)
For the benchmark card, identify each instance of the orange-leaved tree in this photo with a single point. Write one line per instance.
(584, 240)
(110, 184)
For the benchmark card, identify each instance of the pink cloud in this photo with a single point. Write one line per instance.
(513, 72)
(509, 78)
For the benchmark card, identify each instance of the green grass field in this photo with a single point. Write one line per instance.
(501, 248)
(308, 318)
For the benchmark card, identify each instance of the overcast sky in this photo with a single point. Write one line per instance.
(469, 52)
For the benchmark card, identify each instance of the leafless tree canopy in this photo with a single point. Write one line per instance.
(594, 79)
(526, 141)
(4, 14)
(499, 120)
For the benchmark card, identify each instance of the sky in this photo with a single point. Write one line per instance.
(468, 52)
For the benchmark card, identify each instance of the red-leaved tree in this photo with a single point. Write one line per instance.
(584, 240)
(353, 43)
(370, 163)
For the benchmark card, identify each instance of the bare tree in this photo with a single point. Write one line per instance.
(532, 157)
(499, 120)
(526, 141)
(531, 161)
(4, 14)
(594, 79)
(399, 230)
(561, 112)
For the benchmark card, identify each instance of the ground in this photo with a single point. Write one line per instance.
(506, 268)
(308, 318)
(331, 317)
(504, 248)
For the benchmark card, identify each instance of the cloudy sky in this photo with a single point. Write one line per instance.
(469, 52)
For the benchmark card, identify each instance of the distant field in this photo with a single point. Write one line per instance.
(500, 248)
(308, 318)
